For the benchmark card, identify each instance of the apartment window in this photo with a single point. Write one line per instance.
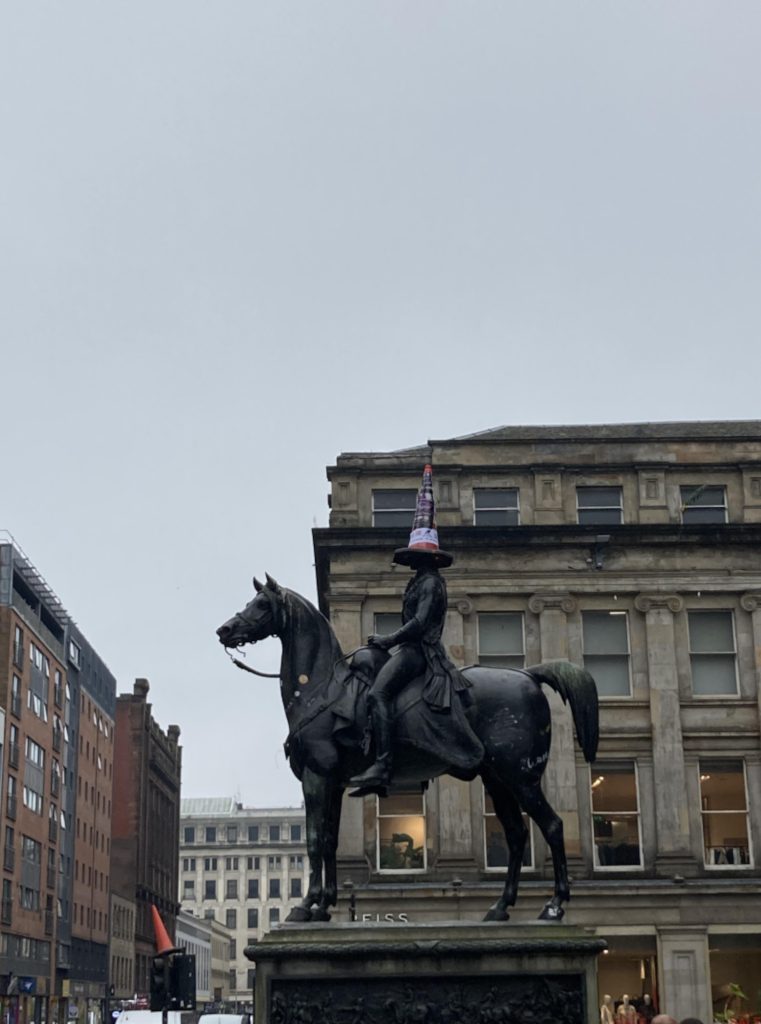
(500, 640)
(252, 892)
(295, 833)
(274, 833)
(703, 504)
(615, 815)
(606, 652)
(253, 833)
(394, 507)
(496, 507)
(599, 506)
(401, 832)
(231, 918)
(231, 889)
(16, 696)
(712, 653)
(252, 916)
(190, 834)
(496, 852)
(232, 833)
(724, 809)
(274, 915)
(296, 893)
(210, 889)
(18, 647)
(74, 654)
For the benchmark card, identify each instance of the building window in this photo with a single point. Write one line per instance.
(231, 863)
(394, 507)
(74, 654)
(724, 809)
(500, 640)
(606, 652)
(274, 833)
(712, 653)
(274, 915)
(190, 835)
(231, 889)
(188, 889)
(252, 863)
(274, 888)
(210, 863)
(615, 815)
(231, 918)
(297, 861)
(251, 978)
(233, 979)
(232, 833)
(599, 506)
(401, 832)
(210, 889)
(703, 504)
(295, 833)
(273, 862)
(296, 889)
(385, 623)
(495, 847)
(496, 507)
(253, 833)
(253, 889)
(211, 834)
(252, 915)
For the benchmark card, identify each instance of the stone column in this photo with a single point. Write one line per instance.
(346, 619)
(684, 973)
(672, 824)
(560, 775)
(751, 602)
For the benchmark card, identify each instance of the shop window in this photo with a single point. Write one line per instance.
(394, 507)
(496, 507)
(724, 810)
(615, 815)
(702, 504)
(500, 640)
(599, 506)
(606, 652)
(495, 847)
(712, 653)
(401, 832)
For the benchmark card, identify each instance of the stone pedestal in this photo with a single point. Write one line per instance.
(440, 973)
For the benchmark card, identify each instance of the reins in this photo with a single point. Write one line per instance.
(247, 668)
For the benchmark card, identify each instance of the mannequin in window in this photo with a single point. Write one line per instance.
(606, 1010)
(647, 1010)
(626, 1014)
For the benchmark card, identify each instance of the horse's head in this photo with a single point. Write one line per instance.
(261, 617)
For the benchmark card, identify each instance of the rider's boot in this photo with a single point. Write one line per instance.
(378, 776)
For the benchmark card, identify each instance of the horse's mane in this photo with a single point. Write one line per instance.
(313, 635)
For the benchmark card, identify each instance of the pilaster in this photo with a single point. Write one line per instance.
(751, 602)
(673, 854)
(684, 974)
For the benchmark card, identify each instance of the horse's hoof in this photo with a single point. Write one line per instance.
(300, 914)
(552, 913)
(320, 914)
(495, 914)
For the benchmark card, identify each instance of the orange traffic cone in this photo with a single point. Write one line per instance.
(164, 944)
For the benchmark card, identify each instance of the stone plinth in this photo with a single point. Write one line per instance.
(439, 973)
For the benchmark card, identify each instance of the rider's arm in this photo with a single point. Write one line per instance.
(414, 628)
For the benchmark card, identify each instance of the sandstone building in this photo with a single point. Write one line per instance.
(636, 551)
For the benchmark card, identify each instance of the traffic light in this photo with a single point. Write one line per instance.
(160, 983)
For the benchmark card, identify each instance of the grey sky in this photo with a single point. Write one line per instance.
(237, 238)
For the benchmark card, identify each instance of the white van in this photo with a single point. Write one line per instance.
(148, 1017)
(224, 1018)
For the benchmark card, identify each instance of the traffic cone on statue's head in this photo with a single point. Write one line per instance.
(424, 539)
(164, 944)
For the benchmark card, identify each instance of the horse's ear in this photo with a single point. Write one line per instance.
(273, 585)
(258, 586)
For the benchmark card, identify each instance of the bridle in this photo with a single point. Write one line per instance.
(274, 609)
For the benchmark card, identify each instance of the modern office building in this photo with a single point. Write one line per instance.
(243, 867)
(147, 767)
(636, 551)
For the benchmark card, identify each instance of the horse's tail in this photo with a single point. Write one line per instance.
(577, 688)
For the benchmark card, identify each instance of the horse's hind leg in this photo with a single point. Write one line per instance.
(509, 815)
(533, 801)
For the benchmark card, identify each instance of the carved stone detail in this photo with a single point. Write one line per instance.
(647, 602)
(539, 602)
(751, 601)
(464, 605)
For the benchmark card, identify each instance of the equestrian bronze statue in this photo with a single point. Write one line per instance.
(425, 717)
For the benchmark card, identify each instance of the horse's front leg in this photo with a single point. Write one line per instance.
(334, 797)
(314, 789)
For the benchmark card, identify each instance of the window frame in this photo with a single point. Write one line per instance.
(618, 613)
(617, 868)
(692, 654)
(706, 763)
(684, 506)
(516, 508)
(486, 614)
(501, 868)
(600, 508)
(397, 511)
(378, 816)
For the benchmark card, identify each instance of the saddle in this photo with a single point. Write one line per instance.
(446, 738)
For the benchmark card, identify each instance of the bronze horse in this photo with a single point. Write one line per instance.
(507, 712)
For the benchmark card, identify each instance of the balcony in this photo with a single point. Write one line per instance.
(13, 755)
(6, 911)
(10, 807)
(9, 858)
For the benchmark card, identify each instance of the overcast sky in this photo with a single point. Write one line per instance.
(240, 237)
